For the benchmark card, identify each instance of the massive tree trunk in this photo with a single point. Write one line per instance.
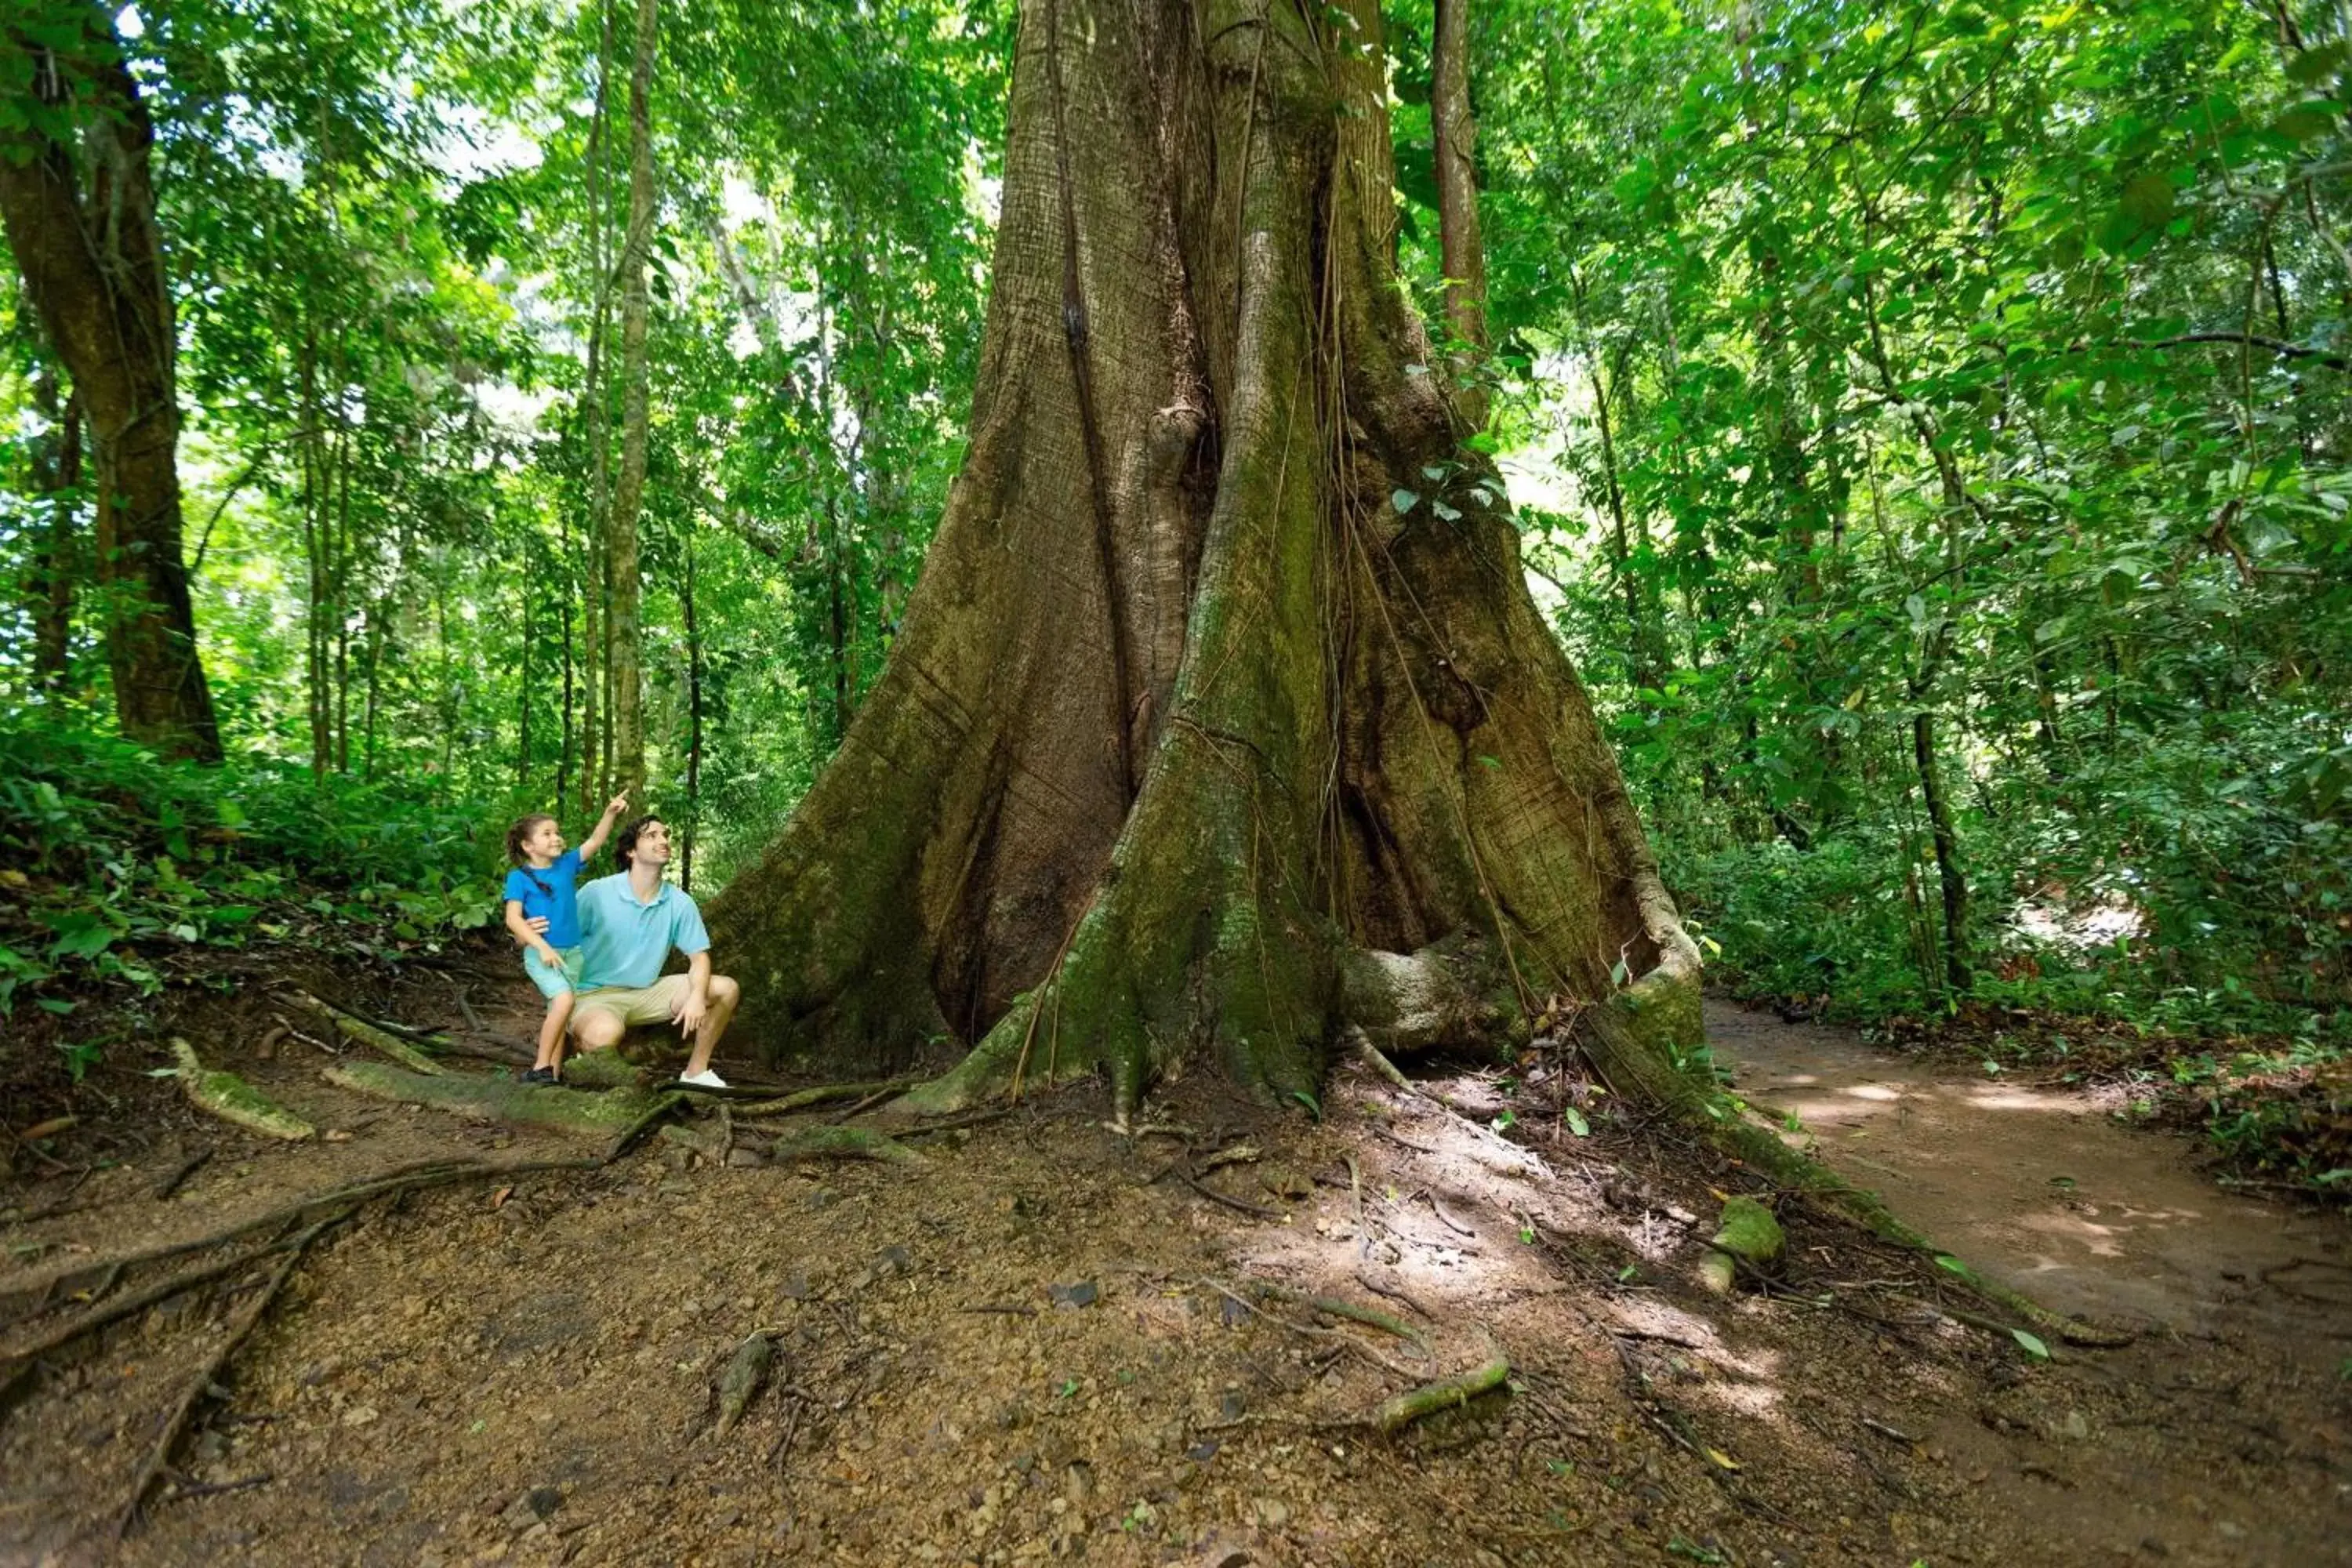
(1216, 723)
(79, 208)
(628, 716)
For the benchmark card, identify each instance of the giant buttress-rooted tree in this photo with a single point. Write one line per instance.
(1222, 719)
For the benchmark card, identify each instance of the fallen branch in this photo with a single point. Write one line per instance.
(747, 1369)
(1334, 1307)
(199, 1386)
(1404, 1409)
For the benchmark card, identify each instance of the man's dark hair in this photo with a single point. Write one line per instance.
(625, 843)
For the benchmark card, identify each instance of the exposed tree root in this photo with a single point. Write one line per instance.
(138, 1301)
(824, 1094)
(405, 1178)
(843, 1144)
(176, 1425)
(178, 1175)
(500, 1099)
(235, 1102)
(376, 1038)
(663, 1105)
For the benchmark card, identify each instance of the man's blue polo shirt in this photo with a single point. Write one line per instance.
(627, 943)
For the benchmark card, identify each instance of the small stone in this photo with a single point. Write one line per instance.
(2076, 1428)
(1078, 1483)
(1284, 1182)
(361, 1415)
(1082, 1294)
(532, 1508)
(1272, 1514)
(795, 1287)
(1231, 1404)
(336, 1135)
(2230, 1530)
(894, 1259)
(1201, 1453)
(741, 1157)
(823, 1197)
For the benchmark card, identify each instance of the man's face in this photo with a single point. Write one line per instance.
(653, 845)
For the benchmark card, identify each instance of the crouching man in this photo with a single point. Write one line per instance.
(630, 922)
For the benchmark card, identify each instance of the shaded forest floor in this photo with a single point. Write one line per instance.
(521, 1369)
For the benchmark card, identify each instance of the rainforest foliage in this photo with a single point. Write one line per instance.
(1927, 427)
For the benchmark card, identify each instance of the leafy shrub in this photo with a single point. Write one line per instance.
(112, 855)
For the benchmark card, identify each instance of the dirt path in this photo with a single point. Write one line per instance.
(2246, 1306)
(1048, 1344)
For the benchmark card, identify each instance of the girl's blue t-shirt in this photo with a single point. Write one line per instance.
(553, 893)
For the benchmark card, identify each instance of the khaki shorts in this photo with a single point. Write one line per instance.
(654, 1004)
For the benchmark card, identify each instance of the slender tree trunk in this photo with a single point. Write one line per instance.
(1640, 663)
(1455, 135)
(522, 685)
(50, 574)
(628, 723)
(564, 751)
(597, 582)
(80, 221)
(693, 716)
(1192, 744)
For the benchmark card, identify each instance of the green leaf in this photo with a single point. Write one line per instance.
(1402, 500)
(2313, 67)
(1577, 1124)
(2031, 1344)
(2149, 199)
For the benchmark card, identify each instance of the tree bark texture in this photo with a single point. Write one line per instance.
(1454, 140)
(81, 219)
(1186, 721)
(628, 718)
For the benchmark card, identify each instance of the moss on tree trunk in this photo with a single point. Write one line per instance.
(1222, 675)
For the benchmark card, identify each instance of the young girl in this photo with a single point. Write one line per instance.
(542, 885)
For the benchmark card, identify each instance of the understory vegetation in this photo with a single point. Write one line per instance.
(1927, 428)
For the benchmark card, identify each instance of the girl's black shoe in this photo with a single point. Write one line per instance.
(539, 1075)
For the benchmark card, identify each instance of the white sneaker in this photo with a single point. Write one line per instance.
(706, 1079)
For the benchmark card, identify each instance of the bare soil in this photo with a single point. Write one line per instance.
(522, 1370)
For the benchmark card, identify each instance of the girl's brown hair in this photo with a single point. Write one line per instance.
(523, 828)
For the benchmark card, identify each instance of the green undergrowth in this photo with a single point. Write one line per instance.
(2210, 1035)
(115, 863)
